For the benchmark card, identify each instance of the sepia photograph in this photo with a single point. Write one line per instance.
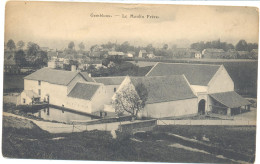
(98, 81)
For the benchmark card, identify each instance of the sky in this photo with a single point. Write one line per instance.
(55, 24)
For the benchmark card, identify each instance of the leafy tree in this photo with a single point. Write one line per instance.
(130, 99)
(165, 46)
(242, 46)
(20, 58)
(252, 46)
(41, 59)
(33, 49)
(20, 44)
(91, 69)
(150, 48)
(71, 45)
(81, 46)
(10, 44)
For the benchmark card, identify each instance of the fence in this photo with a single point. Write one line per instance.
(207, 122)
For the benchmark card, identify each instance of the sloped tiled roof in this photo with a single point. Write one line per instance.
(230, 99)
(117, 80)
(197, 74)
(53, 76)
(86, 76)
(165, 88)
(83, 91)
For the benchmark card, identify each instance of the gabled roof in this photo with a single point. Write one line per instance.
(84, 91)
(230, 99)
(117, 80)
(31, 94)
(197, 74)
(53, 76)
(165, 88)
(87, 77)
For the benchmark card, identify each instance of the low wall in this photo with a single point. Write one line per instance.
(102, 121)
(206, 122)
(131, 127)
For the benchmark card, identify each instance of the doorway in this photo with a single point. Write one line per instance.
(201, 107)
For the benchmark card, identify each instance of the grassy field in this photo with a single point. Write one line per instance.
(29, 141)
(33, 143)
(237, 138)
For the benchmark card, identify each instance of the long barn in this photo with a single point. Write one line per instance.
(211, 83)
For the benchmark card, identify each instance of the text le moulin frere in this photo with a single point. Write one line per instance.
(136, 16)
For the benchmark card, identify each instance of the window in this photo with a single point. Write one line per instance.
(24, 101)
(39, 82)
(39, 92)
(114, 89)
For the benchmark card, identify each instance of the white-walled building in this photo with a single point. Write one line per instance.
(58, 86)
(111, 85)
(208, 82)
(168, 96)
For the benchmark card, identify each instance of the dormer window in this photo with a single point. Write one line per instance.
(39, 82)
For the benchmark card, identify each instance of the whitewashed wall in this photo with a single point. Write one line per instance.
(80, 105)
(57, 93)
(28, 100)
(171, 108)
(221, 82)
(99, 99)
(31, 85)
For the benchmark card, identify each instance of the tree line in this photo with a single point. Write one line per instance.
(242, 45)
(32, 57)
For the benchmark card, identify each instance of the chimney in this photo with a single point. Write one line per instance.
(89, 74)
(73, 68)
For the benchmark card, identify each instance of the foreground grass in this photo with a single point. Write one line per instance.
(34, 143)
(237, 138)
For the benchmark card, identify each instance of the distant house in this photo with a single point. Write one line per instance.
(213, 53)
(209, 83)
(198, 55)
(168, 96)
(150, 55)
(97, 63)
(115, 53)
(130, 54)
(142, 54)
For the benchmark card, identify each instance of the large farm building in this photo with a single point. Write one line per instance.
(174, 90)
